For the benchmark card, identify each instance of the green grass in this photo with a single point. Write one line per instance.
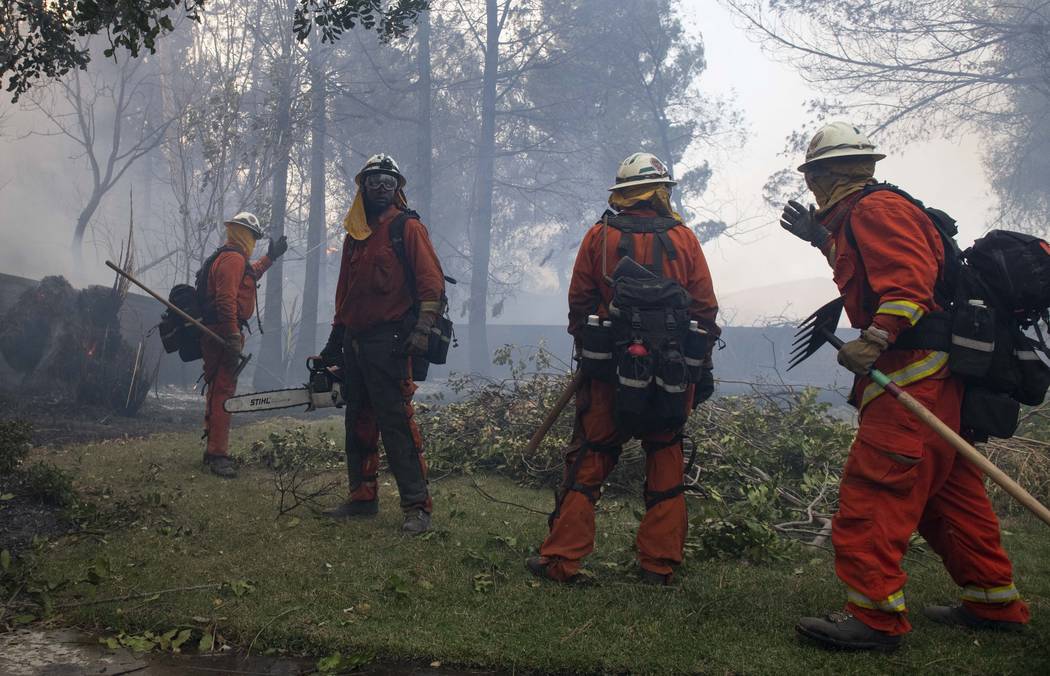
(363, 588)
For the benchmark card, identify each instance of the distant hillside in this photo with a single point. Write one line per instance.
(775, 303)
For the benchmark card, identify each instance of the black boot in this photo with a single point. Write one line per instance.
(220, 465)
(960, 616)
(417, 522)
(842, 630)
(354, 508)
(650, 577)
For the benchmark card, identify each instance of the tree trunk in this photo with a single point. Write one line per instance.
(306, 342)
(424, 149)
(82, 224)
(269, 372)
(481, 241)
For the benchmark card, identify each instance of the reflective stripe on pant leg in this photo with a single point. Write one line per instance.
(894, 603)
(1004, 594)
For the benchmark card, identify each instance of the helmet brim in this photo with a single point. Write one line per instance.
(365, 172)
(257, 233)
(642, 181)
(844, 152)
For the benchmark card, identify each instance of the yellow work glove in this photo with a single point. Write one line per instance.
(860, 355)
(419, 340)
(232, 354)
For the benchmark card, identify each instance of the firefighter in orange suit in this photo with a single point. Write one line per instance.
(641, 200)
(228, 281)
(887, 257)
(388, 298)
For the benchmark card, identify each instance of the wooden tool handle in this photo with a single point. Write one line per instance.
(204, 329)
(553, 414)
(1016, 491)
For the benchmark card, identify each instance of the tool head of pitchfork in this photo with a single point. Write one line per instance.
(817, 329)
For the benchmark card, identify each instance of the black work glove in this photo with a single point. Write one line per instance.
(802, 223)
(277, 248)
(703, 390)
(332, 354)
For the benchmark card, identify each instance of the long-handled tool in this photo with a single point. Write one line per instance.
(553, 414)
(819, 328)
(242, 359)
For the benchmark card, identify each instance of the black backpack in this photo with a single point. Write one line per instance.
(179, 335)
(647, 346)
(991, 293)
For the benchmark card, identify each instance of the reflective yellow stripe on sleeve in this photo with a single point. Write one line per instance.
(912, 373)
(902, 308)
(1004, 594)
(894, 603)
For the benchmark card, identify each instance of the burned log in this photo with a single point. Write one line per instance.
(69, 343)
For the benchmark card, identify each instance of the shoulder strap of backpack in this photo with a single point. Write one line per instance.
(942, 223)
(205, 271)
(655, 225)
(397, 242)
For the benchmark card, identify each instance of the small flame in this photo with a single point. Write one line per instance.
(91, 351)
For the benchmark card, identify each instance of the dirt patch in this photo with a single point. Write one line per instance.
(23, 517)
(57, 421)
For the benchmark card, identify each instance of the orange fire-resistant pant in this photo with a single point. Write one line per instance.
(901, 477)
(221, 384)
(590, 458)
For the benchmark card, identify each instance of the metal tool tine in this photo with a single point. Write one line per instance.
(810, 335)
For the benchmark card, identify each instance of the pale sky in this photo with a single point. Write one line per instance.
(946, 174)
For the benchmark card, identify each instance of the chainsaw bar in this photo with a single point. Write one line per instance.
(270, 400)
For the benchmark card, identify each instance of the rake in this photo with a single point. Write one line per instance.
(819, 328)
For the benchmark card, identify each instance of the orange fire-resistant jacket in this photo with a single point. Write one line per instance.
(887, 279)
(590, 293)
(231, 290)
(373, 288)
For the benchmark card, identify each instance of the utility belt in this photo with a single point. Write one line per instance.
(397, 332)
(998, 363)
(652, 369)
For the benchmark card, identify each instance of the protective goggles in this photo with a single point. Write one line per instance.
(380, 182)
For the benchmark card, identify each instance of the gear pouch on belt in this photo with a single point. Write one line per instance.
(596, 352)
(440, 339)
(1035, 375)
(697, 345)
(672, 385)
(1004, 375)
(420, 368)
(634, 379)
(989, 414)
(973, 340)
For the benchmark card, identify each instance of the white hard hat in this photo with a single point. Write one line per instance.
(839, 139)
(641, 169)
(381, 164)
(248, 220)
